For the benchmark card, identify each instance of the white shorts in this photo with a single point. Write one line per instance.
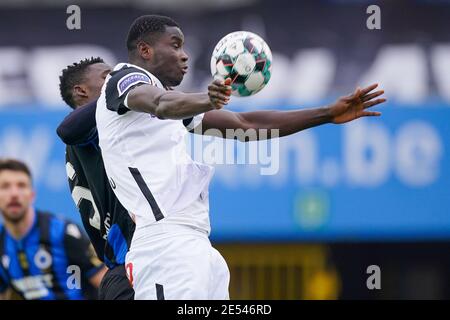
(174, 262)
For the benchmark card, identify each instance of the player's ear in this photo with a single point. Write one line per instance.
(80, 91)
(145, 51)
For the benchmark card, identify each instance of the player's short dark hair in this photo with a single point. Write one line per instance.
(147, 25)
(73, 75)
(14, 165)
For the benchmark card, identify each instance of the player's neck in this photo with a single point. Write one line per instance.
(19, 229)
(144, 65)
(138, 62)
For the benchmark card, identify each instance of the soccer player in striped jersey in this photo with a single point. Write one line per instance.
(141, 135)
(106, 221)
(42, 256)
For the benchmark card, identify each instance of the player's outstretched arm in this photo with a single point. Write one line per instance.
(355, 105)
(345, 109)
(178, 105)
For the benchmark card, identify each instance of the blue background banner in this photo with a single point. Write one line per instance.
(374, 179)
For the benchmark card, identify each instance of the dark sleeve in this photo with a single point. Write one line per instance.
(80, 251)
(79, 127)
(95, 237)
(120, 84)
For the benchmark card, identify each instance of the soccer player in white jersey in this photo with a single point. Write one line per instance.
(142, 128)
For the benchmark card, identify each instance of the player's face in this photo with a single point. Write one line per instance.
(95, 77)
(16, 195)
(169, 59)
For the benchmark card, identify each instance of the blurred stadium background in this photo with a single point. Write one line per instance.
(375, 192)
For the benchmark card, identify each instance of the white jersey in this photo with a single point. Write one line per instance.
(146, 158)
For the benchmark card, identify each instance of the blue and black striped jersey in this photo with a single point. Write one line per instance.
(54, 260)
(107, 223)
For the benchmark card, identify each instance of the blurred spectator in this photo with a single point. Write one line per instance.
(42, 256)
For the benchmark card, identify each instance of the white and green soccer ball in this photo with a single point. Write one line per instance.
(245, 58)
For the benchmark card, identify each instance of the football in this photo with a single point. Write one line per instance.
(245, 58)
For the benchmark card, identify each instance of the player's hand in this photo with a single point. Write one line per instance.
(219, 92)
(354, 106)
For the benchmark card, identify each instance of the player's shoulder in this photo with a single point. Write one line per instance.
(48, 216)
(60, 226)
(124, 76)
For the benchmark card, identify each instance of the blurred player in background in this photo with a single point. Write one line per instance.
(142, 127)
(106, 221)
(37, 248)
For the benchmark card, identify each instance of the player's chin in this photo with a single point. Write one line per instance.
(175, 81)
(14, 214)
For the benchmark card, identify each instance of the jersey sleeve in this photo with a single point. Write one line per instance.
(120, 84)
(80, 251)
(193, 122)
(79, 127)
(85, 208)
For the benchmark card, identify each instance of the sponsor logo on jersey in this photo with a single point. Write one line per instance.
(43, 259)
(107, 224)
(33, 287)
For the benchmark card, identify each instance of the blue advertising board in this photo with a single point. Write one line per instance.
(382, 178)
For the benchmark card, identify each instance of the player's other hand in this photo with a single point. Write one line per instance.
(219, 92)
(355, 105)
